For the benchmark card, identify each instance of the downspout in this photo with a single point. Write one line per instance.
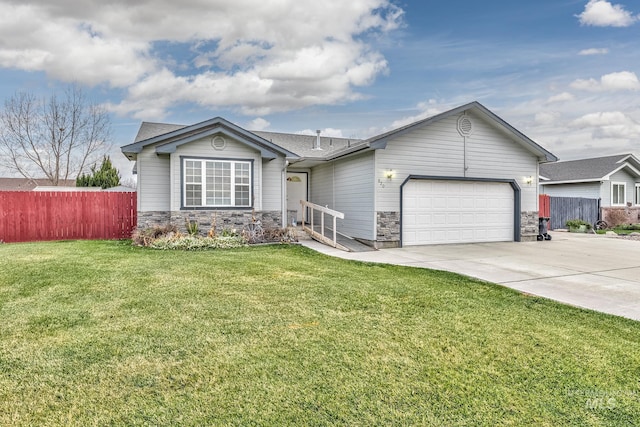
(464, 126)
(464, 161)
(284, 194)
(333, 186)
(536, 182)
(464, 149)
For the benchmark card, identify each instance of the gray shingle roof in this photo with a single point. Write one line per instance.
(149, 130)
(303, 145)
(331, 148)
(585, 169)
(168, 137)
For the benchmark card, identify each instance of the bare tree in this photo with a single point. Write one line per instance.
(57, 137)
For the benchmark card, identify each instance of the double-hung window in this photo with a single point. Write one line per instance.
(637, 194)
(216, 183)
(618, 194)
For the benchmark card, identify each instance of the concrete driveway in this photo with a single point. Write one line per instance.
(592, 271)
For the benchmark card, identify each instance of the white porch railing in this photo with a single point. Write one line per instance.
(312, 208)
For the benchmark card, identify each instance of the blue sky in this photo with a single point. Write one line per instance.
(564, 72)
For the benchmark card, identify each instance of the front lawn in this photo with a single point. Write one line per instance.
(103, 333)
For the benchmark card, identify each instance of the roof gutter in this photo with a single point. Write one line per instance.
(351, 150)
(575, 181)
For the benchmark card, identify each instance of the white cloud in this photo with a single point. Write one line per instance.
(594, 51)
(614, 124)
(600, 13)
(624, 80)
(426, 109)
(561, 97)
(257, 56)
(600, 119)
(547, 118)
(588, 124)
(258, 124)
(67, 49)
(617, 132)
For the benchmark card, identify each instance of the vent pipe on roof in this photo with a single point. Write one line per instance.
(316, 146)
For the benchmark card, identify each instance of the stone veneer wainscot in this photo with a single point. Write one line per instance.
(224, 219)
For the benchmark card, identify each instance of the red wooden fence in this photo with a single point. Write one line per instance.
(544, 207)
(27, 216)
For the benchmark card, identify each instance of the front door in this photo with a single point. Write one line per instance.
(296, 191)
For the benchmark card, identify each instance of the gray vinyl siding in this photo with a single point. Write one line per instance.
(605, 194)
(203, 149)
(621, 176)
(322, 187)
(153, 181)
(347, 186)
(272, 182)
(587, 190)
(439, 150)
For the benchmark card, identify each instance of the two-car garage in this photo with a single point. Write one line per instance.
(438, 211)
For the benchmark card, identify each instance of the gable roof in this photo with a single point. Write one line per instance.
(586, 170)
(298, 147)
(149, 130)
(380, 141)
(167, 137)
(304, 145)
(300, 144)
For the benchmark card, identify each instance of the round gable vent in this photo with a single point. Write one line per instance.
(218, 143)
(465, 125)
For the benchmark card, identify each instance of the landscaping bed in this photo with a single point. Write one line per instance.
(170, 237)
(628, 231)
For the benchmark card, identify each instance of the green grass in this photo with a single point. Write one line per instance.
(102, 333)
(618, 231)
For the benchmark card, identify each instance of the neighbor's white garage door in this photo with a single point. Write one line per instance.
(435, 211)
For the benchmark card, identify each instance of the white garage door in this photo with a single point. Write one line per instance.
(435, 212)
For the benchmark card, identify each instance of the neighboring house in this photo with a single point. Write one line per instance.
(44, 188)
(615, 180)
(121, 188)
(41, 184)
(28, 184)
(461, 176)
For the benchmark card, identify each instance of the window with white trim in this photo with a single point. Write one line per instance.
(216, 183)
(618, 194)
(638, 194)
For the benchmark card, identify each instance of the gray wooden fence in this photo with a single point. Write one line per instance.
(565, 208)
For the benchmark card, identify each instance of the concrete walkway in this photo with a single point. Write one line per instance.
(592, 271)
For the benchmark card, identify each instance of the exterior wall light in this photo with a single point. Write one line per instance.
(389, 174)
(528, 180)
